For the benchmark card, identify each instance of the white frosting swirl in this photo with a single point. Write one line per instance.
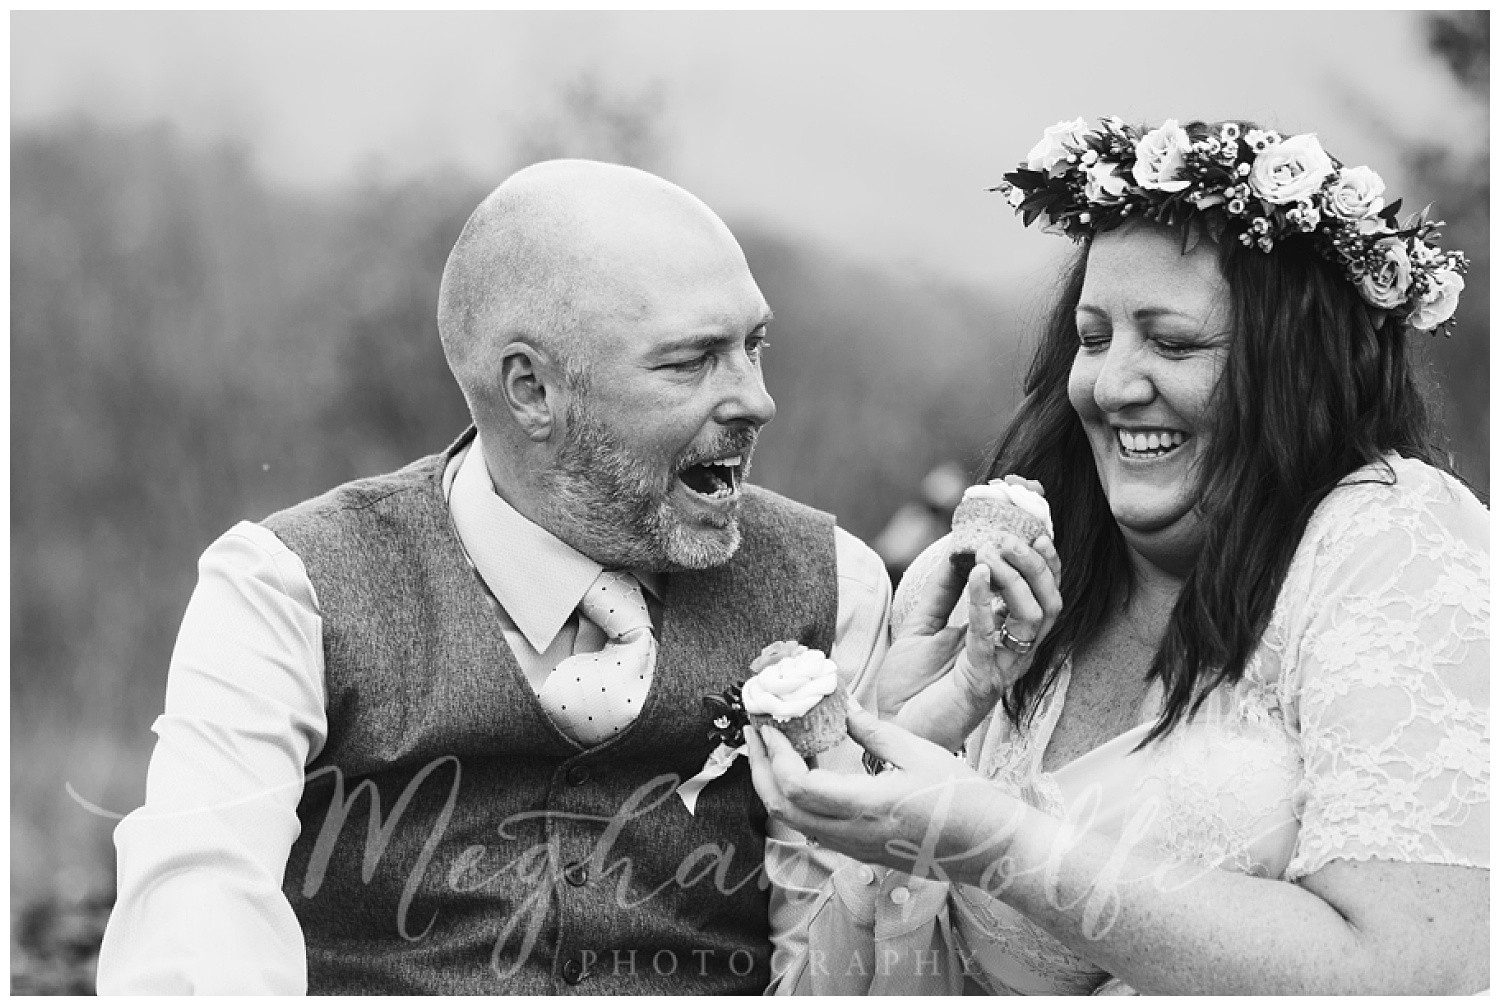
(791, 686)
(1018, 496)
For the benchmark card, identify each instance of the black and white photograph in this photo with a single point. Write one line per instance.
(750, 502)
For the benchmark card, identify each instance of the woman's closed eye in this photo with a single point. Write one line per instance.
(1176, 348)
(1178, 345)
(1093, 337)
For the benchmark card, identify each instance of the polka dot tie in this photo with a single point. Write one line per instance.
(593, 696)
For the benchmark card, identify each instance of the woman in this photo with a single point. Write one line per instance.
(1240, 744)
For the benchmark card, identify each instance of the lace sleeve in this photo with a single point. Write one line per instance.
(1389, 689)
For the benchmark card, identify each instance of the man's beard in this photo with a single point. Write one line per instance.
(619, 516)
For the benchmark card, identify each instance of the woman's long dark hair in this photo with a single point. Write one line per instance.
(1316, 385)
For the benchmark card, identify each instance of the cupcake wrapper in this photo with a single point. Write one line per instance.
(822, 727)
(980, 522)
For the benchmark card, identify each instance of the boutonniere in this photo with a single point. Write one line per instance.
(727, 711)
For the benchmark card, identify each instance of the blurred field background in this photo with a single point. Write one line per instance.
(197, 339)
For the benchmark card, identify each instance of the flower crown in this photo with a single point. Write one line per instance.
(1244, 182)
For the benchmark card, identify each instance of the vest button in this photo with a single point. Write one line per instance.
(577, 873)
(572, 972)
(578, 775)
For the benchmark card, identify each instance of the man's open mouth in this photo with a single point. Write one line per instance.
(718, 479)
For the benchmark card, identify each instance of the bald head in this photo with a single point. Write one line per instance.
(556, 251)
(607, 334)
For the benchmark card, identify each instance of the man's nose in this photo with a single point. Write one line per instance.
(745, 399)
(1122, 379)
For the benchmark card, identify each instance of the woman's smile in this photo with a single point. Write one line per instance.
(1148, 444)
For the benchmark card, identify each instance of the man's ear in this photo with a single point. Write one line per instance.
(529, 389)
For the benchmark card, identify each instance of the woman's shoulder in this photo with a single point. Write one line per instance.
(1396, 527)
(1398, 493)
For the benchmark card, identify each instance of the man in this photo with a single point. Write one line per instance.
(423, 733)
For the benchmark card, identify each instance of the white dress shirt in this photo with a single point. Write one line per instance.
(199, 905)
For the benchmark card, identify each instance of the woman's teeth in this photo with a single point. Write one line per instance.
(1149, 445)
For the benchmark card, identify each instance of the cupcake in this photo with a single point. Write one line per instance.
(797, 691)
(988, 510)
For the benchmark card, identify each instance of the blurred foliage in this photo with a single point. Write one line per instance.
(57, 944)
(1460, 183)
(192, 347)
(601, 121)
(1462, 40)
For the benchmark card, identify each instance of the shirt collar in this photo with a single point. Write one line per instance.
(537, 578)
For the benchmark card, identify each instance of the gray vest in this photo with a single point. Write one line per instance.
(454, 841)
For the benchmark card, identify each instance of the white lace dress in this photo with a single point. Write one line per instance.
(1359, 731)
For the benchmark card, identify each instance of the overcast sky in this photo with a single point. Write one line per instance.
(877, 133)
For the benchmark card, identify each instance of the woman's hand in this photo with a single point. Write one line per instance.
(932, 816)
(1014, 599)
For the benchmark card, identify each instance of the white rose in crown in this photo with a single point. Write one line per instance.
(1357, 194)
(1103, 185)
(1290, 171)
(1387, 285)
(1439, 301)
(1160, 156)
(1057, 144)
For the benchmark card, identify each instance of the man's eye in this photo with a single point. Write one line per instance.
(689, 365)
(756, 348)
